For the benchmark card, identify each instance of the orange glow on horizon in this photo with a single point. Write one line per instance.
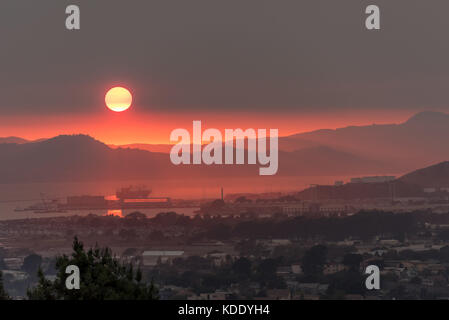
(115, 213)
(155, 128)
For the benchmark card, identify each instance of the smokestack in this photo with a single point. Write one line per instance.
(222, 198)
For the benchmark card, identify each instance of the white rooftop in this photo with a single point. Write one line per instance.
(162, 253)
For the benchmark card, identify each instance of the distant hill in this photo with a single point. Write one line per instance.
(71, 158)
(409, 185)
(13, 140)
(396, 148)
(418, 142)
(82, 158)
(322, 161)
(433, 176)
(351, 191)
(362, 150)
(162, 148)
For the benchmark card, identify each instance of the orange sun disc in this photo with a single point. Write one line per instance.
(118, 99)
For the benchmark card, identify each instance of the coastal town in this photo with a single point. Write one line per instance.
(312, 244)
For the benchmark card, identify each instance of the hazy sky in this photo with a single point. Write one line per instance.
(288, 57)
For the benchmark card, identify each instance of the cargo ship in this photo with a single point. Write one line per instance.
(125, 198)
(132, 197)
(138, 198)
(138, 192)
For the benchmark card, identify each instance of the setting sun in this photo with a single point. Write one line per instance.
(118, 99)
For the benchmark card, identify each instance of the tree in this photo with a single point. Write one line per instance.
(314, 260)
(102, 277)
(2, 264)
(136, 215)
(130, 252)
(3, 294)
(347, 282)
(32, 263)
(267, 268)
(352, 261)
(242, 267)
(220, 232)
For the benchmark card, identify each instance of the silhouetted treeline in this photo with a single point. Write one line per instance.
(363, 225)
(351, 191)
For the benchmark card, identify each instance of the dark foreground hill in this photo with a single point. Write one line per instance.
(409, 185)
(433, 176)
(351, 191)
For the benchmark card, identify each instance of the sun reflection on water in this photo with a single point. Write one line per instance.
(115, 213)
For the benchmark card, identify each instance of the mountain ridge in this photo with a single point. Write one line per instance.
(81, 158)
(395, 149)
